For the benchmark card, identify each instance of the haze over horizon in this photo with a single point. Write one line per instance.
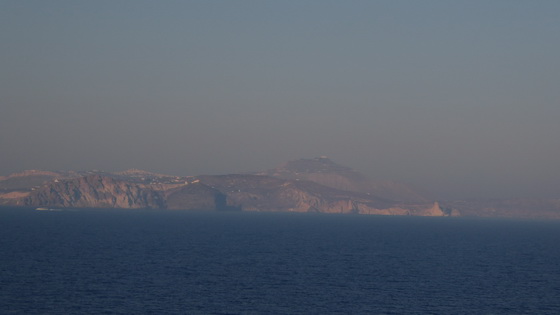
(459, 98)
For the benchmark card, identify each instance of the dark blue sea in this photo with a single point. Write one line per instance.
(165, 262)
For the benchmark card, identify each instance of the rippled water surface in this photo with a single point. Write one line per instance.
(124, 262)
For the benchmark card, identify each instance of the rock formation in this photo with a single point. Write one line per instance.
(323, 171)
(316, 185)
(93, 191)
(196, 196)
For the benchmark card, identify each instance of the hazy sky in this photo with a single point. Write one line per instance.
(461, 98)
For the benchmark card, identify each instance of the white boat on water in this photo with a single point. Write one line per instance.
(46, 209)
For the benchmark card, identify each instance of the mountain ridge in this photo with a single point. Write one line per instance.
(305, 185)
(135, 189)
(323, 171)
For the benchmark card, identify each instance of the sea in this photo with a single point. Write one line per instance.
(189, 262)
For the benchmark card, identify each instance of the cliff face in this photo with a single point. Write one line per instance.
(196, 196)
(135, 189)
(94, 191)
(265, 193)
(325, 172)
(307, 185)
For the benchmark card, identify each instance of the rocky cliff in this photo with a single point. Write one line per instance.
(138, 189)
(266, 193)
(316, 185)
(93, 191)
(322, 170)
(196, 196)
(306, 185)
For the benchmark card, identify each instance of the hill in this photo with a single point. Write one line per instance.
(322, 170)
(305, 185)
(140, 189)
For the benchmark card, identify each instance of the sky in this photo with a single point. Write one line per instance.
(459, 98)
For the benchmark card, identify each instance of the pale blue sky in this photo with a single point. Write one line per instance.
(461, 98)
